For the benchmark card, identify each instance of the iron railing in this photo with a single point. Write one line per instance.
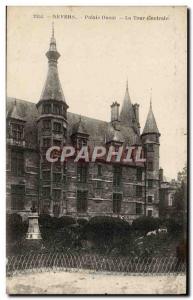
(63, 261)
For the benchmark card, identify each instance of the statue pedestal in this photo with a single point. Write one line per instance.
(33, 228)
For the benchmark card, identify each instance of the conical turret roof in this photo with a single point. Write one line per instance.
(150, 125)
(127, 113)
(52, 89)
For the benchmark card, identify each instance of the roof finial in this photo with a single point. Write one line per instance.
(53, 29)
(127, 85)
(151, 98)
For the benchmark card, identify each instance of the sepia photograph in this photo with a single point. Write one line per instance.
(96, 150)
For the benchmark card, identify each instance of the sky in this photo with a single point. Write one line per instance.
(101, 48)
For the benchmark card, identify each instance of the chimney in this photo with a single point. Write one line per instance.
(136, 111)
(115, 111)
(161, 175)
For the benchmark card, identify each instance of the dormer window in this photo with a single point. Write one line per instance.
(81, 142)
(47, 108)
(17, 131)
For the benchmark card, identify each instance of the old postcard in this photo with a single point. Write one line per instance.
(96, 150)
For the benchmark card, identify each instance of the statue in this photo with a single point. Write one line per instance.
(33, 232)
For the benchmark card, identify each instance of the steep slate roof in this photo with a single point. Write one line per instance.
(79, 128)
(52, 88)
(150, 125)
(97, 130)
(114, 135)
(28, 112)
(12, 113)
(127, 114)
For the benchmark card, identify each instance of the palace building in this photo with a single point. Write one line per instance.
(79, 189)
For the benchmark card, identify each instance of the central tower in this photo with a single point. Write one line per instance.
(52, 131)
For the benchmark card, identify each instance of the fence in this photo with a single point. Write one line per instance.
(63, 261)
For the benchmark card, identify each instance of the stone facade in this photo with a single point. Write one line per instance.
(77, 189)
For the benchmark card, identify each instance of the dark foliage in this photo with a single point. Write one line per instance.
(82, 222)
(174, 226)
(145, 224)
(55, 223)
(106, 231)
(15, 228)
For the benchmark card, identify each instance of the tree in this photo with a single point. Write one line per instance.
(180, 197)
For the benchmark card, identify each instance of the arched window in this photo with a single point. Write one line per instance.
(170, 200)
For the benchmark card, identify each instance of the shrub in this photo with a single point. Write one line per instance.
(55, 223)
(174, 226)
(82, 222)
(66, 221)
(106, 230)
(145, 224)
(45, 220)
(15, 228)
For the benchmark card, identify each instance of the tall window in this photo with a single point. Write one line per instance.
(117, 175)
(46, 142)
(17, 131)
(47, 108)
(56, 193)
(149, 212)
(17, 197)
(57, 127)
(99, 184)
(82, 172)
(17, 163)
(117, 199)
(56, 210)
(150, 199)
(139, 208)
(99, 171)
(82, 202)
(170, 200)
(46, 175)
(139, 174)
(138, 190)
(150, 183)
(150, 166)
(46, 191)
(56, 177)
(46, 124)
(57, 109)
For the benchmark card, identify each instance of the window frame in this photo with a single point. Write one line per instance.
(148, 183)
(138, 208)
(82, 201)
(139, 176)
(139, 191)
(117, 202)
(17, 163)
(117, 176)
(82, 173)
(17, 196)
(150, 166)
(47, 108)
